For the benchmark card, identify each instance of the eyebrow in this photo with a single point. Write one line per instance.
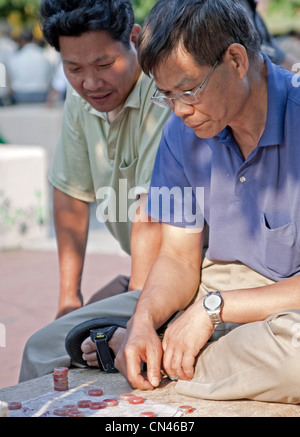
(100, 59)
(180, 85)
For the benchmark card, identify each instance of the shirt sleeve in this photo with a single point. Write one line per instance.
(71, 171)
(172, 199)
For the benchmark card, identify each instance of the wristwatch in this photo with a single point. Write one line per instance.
(212, 304)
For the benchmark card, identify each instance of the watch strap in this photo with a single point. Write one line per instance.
(214, 315)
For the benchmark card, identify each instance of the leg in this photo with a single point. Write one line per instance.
(45, 350)
(258, 361)
(117, 286)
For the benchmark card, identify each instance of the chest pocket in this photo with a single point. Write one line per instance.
(128, 172)
(281, 253)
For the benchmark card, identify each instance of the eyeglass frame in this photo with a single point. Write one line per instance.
(154, 99)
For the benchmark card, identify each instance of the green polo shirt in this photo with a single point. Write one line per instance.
(110, 163)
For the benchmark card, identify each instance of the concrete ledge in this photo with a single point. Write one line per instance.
(32, 125)
(24, 196)
(115, 384)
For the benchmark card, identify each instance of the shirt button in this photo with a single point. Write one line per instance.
(242, 179)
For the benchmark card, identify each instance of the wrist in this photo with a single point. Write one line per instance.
(213, 304)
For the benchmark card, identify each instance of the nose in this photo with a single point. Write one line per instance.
(182, 109)
(92, 82)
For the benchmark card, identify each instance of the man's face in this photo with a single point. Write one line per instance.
(103, 71)
(220, 99)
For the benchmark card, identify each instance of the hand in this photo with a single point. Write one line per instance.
(141, 345)
(184, 339)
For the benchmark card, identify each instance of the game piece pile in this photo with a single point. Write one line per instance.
(60, 379)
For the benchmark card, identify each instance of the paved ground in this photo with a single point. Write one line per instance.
(29, 291)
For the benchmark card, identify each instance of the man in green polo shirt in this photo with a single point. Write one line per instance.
(106, 151)
(108, 142)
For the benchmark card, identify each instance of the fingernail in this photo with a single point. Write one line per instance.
(155, 381)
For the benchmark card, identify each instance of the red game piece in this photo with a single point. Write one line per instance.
(71, 407)
(95, 392)
(148, 414)
(14, 405)
(186, 409)
(97, 405)
(136, 400)
(111, 402)
(60, 377)
(84, 403)
(76, 414)
(61, 412)
(61, 370)
(126, 396)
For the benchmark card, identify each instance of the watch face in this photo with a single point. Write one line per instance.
(212, 302)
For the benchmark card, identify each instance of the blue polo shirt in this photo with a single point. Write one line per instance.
(252, 206)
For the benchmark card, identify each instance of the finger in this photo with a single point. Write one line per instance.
(132, 368)
(172, 363)
(89, 355)
(88, 346)
(154, 369)
(91, 359)
(188, 362)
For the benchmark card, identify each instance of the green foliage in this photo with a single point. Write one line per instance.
(287, 8)
(283, 16)
(142, 9)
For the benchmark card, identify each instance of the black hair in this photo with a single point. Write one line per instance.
(75, 17)
(205, 28)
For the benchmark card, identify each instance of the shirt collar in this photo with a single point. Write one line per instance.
(277, 97)
(133, 100)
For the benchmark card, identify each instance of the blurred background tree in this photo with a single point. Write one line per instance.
(21, 14)
(282, 16)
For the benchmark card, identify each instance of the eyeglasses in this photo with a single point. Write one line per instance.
(187, 97)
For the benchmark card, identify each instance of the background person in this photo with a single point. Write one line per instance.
(30, 72)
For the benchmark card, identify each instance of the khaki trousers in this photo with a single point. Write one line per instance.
(259, 361)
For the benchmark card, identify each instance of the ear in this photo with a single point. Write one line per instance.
(236, 56)
(136, 28)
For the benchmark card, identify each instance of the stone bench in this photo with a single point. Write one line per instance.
(24, 198)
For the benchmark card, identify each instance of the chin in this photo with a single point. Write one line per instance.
(208, 131)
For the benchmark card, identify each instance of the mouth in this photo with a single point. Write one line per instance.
(100, 99)
(195, 126)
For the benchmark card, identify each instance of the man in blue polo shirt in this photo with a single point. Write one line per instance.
(235, 132)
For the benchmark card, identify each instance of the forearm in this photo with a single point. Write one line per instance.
(254, 304)
(170, 287)
(71, 219)
(145, 246)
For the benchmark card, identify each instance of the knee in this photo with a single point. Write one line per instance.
(285, 327)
